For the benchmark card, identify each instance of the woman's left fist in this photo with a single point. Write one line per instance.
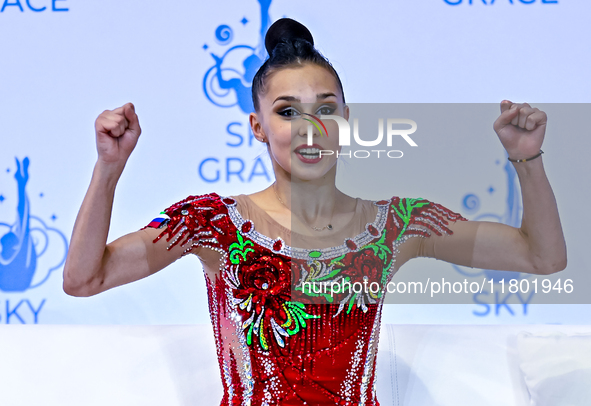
(521, 129)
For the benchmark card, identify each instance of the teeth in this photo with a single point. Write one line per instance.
(309, 151)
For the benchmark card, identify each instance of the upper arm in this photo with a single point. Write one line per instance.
(457, 247)
(185, 227)
(476, 244)
(502, 247)
(132, 257)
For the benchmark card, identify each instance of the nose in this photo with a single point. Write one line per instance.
(305, 128)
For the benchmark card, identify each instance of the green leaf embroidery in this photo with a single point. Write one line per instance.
(239, 249)
(404, 211)
(296, 317)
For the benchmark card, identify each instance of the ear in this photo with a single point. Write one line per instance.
(257, 128)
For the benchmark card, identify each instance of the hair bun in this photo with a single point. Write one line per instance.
(283, 30)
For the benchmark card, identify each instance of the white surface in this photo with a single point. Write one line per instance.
(108, 365)
(556, 368)
(418, 365)
(455, 365)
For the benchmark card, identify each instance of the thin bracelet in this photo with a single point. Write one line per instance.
(526, 159)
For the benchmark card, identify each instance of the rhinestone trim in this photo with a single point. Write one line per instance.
(360, 240)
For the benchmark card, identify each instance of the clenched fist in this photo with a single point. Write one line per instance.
(117, 132)
(521, 129)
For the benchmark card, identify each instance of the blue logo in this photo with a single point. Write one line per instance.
(228, 84)
(30, 250)
(38, 6)
(492, 2)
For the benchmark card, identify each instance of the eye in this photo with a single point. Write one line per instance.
(288, 112)
(326, 110)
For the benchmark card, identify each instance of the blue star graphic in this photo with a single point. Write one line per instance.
(491, 190)
(205, 46)
(244, 21)
(54, 217)
(2, 198)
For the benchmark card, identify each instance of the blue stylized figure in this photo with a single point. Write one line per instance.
(18, 258)
(26, 241)
(241, 85)
(511, 216)
(243, 92)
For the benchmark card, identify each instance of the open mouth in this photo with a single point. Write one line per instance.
(309, 153)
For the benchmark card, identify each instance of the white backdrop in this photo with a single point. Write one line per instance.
(65, 64)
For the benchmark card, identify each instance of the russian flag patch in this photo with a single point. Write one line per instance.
(158, 222)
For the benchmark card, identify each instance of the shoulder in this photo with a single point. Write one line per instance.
(198, 211)
(408, 205)
(419, 216)
(196, 202)
(204, 203)
(197, 220)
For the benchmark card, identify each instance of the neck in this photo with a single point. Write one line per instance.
(315, 201)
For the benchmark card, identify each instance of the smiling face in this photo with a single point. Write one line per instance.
(292, 94)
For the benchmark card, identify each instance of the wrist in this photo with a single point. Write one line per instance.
(525, 159)
(528, 169)
(107, 173)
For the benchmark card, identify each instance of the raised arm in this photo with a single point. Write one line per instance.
(93, 266)
(538, 246)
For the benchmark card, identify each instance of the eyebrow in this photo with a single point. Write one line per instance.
(319, 96)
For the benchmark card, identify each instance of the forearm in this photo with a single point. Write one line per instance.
(89, 237)
(540, 225)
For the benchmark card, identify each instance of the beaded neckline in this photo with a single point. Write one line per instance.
(281, 226)
(372, 231)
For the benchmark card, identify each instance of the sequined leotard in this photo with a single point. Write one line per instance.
(279, 343)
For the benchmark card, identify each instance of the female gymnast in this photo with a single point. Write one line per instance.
(280, 339)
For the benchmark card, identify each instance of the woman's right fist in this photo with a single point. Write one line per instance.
(117, 132)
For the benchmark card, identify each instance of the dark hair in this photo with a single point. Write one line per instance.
(288, 43)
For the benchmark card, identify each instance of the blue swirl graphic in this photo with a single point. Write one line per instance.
(224, 34)
(471, 203)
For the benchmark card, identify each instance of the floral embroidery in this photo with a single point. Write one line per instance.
(255, 312)
(420, 217)
(404, 210)
(261, 289)
(258, 269)
(369, 266)
(239, 249)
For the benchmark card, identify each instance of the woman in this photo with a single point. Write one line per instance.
(279, 340)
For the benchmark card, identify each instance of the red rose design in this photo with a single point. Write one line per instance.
(267, 279)
(365, 264)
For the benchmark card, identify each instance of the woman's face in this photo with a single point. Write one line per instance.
(292, 94)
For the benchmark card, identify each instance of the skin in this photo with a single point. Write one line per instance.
(289, 94)
(537, 247)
